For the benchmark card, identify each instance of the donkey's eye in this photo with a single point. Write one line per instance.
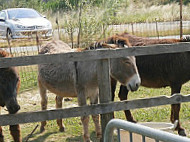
(127, 62)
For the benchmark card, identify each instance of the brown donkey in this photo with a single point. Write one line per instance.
(75, 79)
(156, 71)
(9, 86)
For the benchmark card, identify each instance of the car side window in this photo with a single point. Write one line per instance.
(2, 15)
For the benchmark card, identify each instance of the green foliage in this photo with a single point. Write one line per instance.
(87, 22)
(62, 4)
(36, 4)
(169, 1)
(55, 5)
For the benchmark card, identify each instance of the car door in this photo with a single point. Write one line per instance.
(3, 26)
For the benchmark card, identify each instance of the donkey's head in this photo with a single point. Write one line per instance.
(9, 85)
(123, 69)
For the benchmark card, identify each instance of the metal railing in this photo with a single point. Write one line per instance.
(145, 131)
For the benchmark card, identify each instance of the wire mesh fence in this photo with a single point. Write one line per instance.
(154, 29)
(31, 46)
(23, 47)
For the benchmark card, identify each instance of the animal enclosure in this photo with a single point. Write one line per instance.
(29, 117)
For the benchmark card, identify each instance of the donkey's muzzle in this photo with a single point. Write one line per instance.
(134, 83)
(12, 106)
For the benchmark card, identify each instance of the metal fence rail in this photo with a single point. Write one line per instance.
(145, 131)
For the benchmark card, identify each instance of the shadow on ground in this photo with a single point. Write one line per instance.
(80, 138)
(41, 138)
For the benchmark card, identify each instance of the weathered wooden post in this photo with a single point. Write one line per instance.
(9, 44)
(104, 89)
(157, 32)
(132, 28)
(181, 19)
(37, 42)
(57, 22)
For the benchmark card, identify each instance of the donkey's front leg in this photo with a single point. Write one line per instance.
(96, 118)
(85, 119)
(15, 132)
(1, 131)
(1, 135)
(175, 109)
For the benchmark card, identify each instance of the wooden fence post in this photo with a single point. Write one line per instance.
(132, 28)
(57, 22)
(181, 19)
(104, 89)
(157, 31)
(9, 44)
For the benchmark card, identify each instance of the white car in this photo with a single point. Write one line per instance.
(23, 23)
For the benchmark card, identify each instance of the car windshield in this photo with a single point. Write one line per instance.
(22, 13)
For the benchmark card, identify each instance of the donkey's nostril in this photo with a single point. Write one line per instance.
(134, 83)
(137, 85)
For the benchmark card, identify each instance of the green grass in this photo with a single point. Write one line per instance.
(30, 101)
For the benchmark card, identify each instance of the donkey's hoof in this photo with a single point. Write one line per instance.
(87, 141)
(181, 132)
(99, 135)
(42, 129)
(133, 121)
(62, 129)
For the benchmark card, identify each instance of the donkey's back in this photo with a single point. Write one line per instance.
(60, 78)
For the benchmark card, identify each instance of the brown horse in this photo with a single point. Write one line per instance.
(156, 71)
(79, 79)
(9, 86)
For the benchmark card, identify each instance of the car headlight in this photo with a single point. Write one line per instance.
(49, 25)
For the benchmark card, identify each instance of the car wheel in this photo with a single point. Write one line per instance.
(9, 34)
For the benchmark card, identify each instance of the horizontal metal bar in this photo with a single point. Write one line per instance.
(142, 130)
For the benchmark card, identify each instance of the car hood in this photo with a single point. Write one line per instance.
(30, 21)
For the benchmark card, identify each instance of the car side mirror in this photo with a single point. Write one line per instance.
(2, 19)
(43, 16)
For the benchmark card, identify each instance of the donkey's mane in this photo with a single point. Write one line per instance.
(110, 42)
(4, 53)
(143, 41)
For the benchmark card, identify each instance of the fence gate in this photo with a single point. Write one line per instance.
(144, 131)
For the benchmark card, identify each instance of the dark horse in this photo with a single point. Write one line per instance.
(156, 71)
(9, 85)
